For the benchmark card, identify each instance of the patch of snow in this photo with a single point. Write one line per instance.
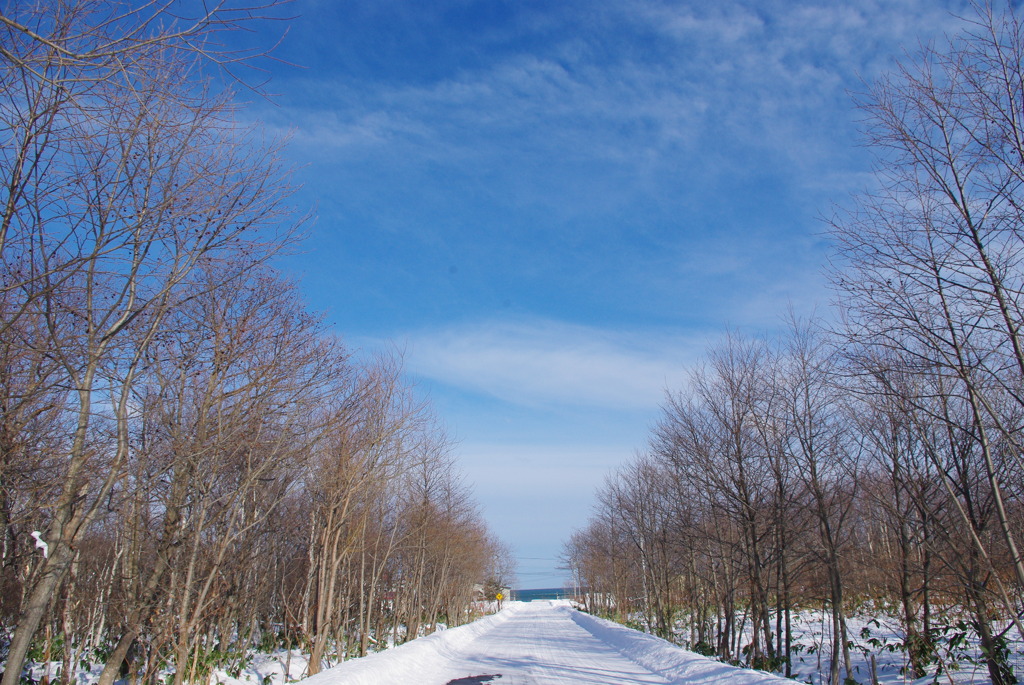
(675, 664)
(41, 544)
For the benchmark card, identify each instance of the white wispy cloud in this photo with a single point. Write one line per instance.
(727, 76)
(525, 106)
(545, 362)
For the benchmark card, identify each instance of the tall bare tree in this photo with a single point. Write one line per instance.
(123, 175)
(932, 265)
(931, 260)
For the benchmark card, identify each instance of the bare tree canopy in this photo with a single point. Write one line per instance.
(881, 458)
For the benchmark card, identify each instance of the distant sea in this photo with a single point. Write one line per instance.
(542, 593)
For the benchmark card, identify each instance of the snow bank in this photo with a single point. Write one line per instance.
(673, 663)
(407, 663)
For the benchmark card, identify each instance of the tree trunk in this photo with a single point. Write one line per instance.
(54, 571)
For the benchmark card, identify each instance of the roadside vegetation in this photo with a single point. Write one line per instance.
(873, 461)
(191, 466)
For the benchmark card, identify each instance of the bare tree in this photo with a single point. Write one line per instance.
(826, 462)
(932, 260)
(117, 188)
(900, 486)
(65, 65)
(713, 434)
(234, 383)
(368, 444)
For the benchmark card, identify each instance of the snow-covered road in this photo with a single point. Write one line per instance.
(538, 643)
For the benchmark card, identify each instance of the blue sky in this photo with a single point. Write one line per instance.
(553, 207)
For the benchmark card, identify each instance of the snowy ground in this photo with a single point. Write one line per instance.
(548, 642)
(538, 643)
(872, 633)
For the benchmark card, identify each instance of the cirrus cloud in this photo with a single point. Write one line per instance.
(541, 362)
